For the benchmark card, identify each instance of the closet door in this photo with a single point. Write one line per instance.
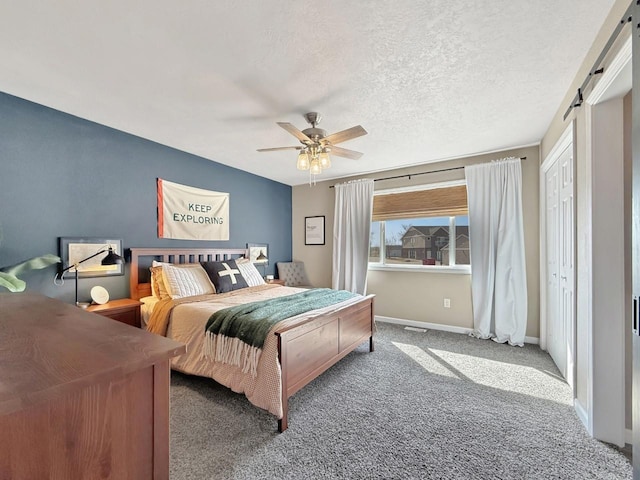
(555, 329)
(560, 254)
(566, 249)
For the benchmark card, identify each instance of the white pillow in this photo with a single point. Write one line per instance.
(250, 273)
(186, 281)
(158, 288)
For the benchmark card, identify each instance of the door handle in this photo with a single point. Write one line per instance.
(634, 320)
(563, 277)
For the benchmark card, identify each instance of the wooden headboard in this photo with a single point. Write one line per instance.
(173, 255)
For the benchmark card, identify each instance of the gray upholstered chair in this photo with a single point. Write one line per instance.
(293, 274)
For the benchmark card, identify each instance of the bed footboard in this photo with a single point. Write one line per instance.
(306, 350)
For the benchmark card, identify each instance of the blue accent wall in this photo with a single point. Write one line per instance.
(63, 176)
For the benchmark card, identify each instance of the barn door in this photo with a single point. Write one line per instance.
(635, 239)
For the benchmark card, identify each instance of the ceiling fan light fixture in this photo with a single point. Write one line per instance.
(317, 145)
(303, 161)
(315, 168)
(325, 160)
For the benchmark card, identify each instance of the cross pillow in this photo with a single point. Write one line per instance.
(225, 275)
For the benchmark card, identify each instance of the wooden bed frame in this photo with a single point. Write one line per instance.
(305, 350)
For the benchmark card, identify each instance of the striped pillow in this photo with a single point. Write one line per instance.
(250, 273)
(186, 281)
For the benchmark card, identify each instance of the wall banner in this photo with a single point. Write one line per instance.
(189, 213)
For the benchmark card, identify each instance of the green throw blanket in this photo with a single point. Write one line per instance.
(235, 335)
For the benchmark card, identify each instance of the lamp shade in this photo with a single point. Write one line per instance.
(315, 167)
(303, 161)
(112, 258)
(325, 160)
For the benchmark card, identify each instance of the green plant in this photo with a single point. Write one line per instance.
(9, 275)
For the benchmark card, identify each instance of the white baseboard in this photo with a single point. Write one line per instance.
(440, 326)
(582, 415)
(432, 326)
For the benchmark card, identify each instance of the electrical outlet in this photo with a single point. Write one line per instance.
(447, 303)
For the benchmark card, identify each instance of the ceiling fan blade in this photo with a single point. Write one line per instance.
(344, 135)
(343, 152)
(278, 148)
(294, 131)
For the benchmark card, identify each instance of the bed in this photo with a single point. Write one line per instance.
(296, 350)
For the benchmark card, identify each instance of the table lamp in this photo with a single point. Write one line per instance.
(111, 258)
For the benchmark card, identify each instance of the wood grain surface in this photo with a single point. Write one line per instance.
(81, 396)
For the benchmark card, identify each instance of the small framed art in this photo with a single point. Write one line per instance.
(75, 249)
(314, 230)
(258, 253)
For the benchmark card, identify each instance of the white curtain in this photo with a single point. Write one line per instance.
(351, 229)
(496, 234)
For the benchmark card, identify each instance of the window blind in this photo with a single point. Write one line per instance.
(435, 202)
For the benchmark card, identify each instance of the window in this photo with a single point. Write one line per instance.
(420, 227)
(374, 243)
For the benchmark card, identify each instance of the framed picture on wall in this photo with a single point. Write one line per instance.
(314, 230)
(75, 249)
(258, 253)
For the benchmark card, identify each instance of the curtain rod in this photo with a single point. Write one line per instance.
(596, 70)
(409, 175)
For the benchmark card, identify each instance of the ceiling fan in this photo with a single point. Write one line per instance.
(317, 145)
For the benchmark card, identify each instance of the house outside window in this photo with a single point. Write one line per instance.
(420, 228)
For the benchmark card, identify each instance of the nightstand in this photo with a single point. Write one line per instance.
(276, 281)
(125, 310)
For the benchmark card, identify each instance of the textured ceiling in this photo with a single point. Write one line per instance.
(428, 80)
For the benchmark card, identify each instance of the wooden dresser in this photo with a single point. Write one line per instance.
(81, 396)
